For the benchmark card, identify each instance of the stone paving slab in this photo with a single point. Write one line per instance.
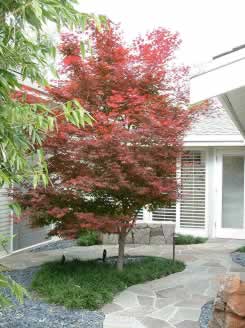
(170, 302)
(187, 324)
(155, 323)
(146, 301)
(187, 313)
(122, 322)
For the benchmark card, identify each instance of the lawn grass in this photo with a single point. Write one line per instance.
(189, 240)
(241, 249)
(91, 284)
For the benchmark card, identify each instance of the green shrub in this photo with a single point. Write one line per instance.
(88, 238)
(91, 284)
(241, 249)
(189, 240)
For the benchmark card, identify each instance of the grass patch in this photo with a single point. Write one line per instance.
(241, 249)
(91, 284)
(88, 238)
(189, 240)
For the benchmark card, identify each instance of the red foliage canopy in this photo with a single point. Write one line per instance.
(104, 174)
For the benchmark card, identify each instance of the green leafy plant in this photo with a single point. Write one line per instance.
(88, 238)
(189, 240)
(241, 249)
(16, 290)
(6, 282)
(26, 53)
(91, 284)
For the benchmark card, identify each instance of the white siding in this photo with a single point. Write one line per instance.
(20, 235)
(5, 219)
(26, 236)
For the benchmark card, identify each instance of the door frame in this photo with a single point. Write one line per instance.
(221, 232)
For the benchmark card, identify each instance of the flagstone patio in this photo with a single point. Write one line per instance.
(171, 302)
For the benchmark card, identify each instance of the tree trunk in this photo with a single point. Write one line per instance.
(121, 247)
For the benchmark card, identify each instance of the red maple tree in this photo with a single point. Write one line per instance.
(104, 174)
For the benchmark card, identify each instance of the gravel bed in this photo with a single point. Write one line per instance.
(238, 258)
(35, 313)
(59, 244)
(206, 314)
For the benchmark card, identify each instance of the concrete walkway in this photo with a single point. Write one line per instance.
(171, 302)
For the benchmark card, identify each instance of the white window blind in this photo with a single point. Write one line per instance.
(193, 190)
(165, 214)
(193, 194)
(140, 215)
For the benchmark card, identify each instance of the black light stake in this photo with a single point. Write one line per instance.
(63, 259)
(174, 237)
(104, 255)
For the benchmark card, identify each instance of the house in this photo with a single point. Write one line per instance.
(205, 202)
(211, 170)
(224, 78)
(24, 235)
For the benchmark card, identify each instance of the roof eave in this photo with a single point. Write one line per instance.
(227, 82)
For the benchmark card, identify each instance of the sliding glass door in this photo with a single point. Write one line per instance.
(230, 195)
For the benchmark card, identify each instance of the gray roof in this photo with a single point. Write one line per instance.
(214, 122)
